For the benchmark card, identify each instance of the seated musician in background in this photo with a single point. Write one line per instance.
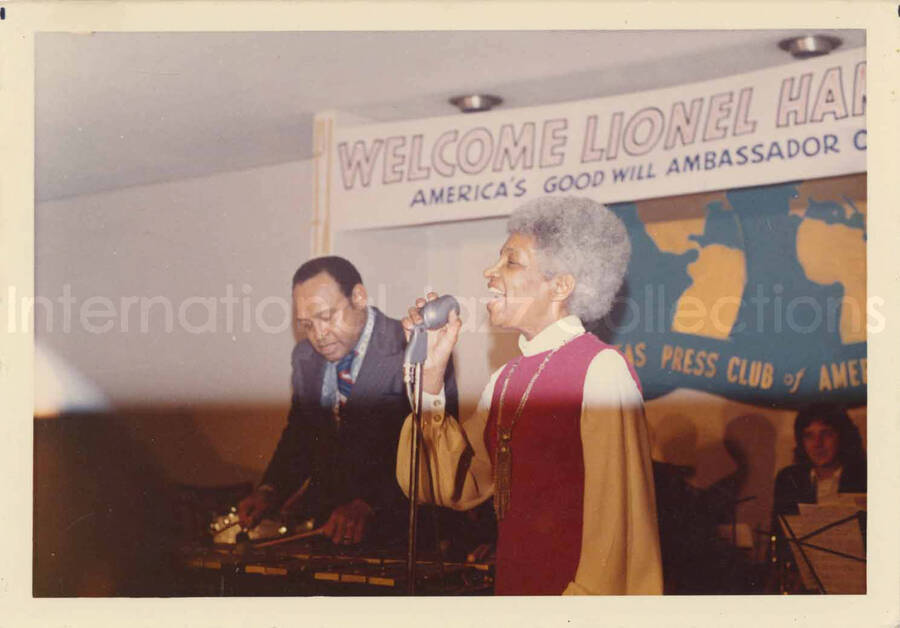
(559, 437)
(336, 455)
(829, 459)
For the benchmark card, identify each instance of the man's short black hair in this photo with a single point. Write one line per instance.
(339, 269)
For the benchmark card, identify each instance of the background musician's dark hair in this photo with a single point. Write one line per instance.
(850, 448)
(339, 269)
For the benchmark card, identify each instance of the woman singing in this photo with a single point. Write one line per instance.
(558, 438)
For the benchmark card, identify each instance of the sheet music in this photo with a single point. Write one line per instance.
(838, 574)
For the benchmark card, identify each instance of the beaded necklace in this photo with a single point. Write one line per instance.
(503, 467)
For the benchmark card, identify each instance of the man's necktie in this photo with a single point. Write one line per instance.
(345, 377)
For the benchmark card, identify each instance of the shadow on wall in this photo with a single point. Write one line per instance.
(750, 441)
(697, 558)
(106, 495)
(741, 465)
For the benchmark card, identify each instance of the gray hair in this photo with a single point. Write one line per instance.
(580, 237)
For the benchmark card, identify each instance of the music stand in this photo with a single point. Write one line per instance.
(830, 547)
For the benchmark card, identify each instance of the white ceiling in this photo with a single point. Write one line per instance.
(121, 109)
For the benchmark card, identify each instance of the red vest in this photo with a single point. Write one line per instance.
(539, 539)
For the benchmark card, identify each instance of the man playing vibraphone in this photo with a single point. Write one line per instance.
(347, 407)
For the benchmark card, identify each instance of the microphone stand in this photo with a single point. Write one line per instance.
(434, 315)
(416, 352)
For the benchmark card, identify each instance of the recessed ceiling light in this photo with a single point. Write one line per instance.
(475, 103)
(809, 45)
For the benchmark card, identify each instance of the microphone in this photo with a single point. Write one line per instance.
(435, 315)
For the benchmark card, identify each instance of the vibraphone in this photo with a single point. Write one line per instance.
(317, 567)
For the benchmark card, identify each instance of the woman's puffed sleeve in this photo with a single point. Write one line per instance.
(459, 462)
(620, 551)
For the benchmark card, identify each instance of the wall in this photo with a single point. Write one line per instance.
(181, 241)
(219, 253)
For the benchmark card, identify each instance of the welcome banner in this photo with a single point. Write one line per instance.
(800, 121)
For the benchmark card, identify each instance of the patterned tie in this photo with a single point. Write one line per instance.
(344, 377)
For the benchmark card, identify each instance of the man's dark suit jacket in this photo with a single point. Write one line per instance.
(793, 486)
(358, 459)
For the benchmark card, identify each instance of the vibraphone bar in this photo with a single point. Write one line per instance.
(315, 567)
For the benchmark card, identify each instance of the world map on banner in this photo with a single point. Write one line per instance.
(758, 295)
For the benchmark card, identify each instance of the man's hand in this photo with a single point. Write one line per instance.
(440, 344)
(347, 523)
(252, 508)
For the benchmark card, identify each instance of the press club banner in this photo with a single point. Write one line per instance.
(754, 294)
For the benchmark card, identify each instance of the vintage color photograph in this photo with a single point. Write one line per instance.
(597, 298)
